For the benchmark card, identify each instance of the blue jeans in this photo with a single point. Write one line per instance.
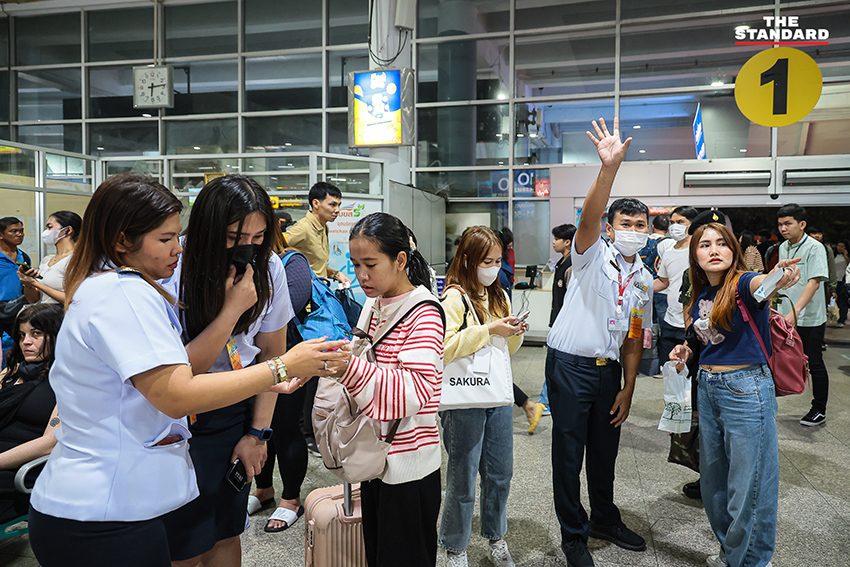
(543, 398)
(477, 441)
(739, 461)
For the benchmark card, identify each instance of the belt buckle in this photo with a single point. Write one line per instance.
(601, 361)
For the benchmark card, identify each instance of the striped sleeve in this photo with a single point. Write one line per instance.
(409, 373)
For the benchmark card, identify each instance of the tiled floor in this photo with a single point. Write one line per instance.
(814, 500)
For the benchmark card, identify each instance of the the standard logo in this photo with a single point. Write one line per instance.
(781, 30)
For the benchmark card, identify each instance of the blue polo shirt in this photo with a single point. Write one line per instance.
(10, 285)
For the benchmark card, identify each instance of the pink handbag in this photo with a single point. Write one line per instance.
(788, 363)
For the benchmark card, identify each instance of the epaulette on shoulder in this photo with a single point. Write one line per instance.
(127, 270)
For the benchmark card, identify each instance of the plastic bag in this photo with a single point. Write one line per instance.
(832, 311)
(678, 409)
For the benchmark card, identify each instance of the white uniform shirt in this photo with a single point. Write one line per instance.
(276, 315)
(53, 276)
(673, 265)
(106, 465)
(581, 327)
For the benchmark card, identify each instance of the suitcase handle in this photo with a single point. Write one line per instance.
(346, 505)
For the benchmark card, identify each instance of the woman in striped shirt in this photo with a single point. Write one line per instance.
(400, 509)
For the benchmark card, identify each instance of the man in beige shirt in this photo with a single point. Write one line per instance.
(310, 235)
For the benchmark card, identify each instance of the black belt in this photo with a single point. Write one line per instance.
(586, 360)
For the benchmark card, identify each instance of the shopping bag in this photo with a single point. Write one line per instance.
(684, 448)
(678, 408)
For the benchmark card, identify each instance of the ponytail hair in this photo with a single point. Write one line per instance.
(392, 237)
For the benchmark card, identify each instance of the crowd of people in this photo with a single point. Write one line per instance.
(176, 357)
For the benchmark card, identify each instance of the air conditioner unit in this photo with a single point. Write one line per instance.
(809, 177)
(727, 179)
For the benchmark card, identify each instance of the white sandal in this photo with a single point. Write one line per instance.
(254, 504)
(285, 515)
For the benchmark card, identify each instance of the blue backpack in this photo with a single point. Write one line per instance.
(323, 315)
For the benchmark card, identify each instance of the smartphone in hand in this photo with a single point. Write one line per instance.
(236, 475)
(522, 317)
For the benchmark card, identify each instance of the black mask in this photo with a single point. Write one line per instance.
(30, 370)
(241, 256)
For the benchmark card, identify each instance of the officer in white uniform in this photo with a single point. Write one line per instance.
(117, 458)
(607, 307)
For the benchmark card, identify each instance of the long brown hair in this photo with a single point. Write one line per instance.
(473, 247)
(724, 301)
(128, 204)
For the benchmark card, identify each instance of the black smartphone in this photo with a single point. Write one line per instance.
(236, 475)
(25, 266)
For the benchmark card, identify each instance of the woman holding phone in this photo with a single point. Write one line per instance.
(124, 385)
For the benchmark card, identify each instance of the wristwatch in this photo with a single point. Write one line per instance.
(261, 434)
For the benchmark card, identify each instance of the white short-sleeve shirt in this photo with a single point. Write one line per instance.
(581, 327)
(53, 276)
(106, 465)
(276, 315)
(674, 262)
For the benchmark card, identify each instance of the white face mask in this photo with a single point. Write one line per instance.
(488, 275)
(629, 242)
(678, 232)
(52, 236)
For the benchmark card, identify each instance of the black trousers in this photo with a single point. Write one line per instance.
(58, 542)
(288, 445)
(580, 398)
(520, 397)
(400, 522)
(812, 346)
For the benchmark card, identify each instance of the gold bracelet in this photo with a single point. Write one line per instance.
(281, 373)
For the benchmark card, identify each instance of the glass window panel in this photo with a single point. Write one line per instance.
(201, 136)
(66, 137)
(17, 167)
(531, 183)
(348, 21)
(455, 184)
(48, 40)
(554, 132)
(68, 173)
(280, 173)
(153, 168)
(340, 64)
(653, 8)
(282, 24)
(532, 241)
(534, 14)
(666, 128)
(565, 64)
(338, 136)
(131, 39)
(4, 98)
(205, 87)
(5, 132)
(21, 204)
(4, 42)
(58, 202)
(188, 174)
(111, 93)
(53, 94)
(460, 216)
(464, 70)
(299, 133)
(464, 135)
(123, 139)
(653, 57)
(440, 18)
(201, 29)
(283, 83)
(823, 131)
(353, 176)
(832, 59)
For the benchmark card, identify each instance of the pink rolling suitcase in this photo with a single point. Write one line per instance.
(334, 523)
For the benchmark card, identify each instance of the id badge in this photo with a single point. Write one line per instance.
(636, 323)
(618, 324)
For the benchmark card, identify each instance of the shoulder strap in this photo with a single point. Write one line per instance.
(745, 313)
(288, 254)
(463, 299)
(27, 258)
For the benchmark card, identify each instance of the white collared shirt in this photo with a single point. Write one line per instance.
(106, 465)
(581, 327)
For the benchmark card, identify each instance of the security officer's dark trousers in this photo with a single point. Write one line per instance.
(581, 394)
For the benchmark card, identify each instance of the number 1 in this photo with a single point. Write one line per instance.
(778, 75)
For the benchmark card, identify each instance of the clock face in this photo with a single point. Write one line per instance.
(153, 87)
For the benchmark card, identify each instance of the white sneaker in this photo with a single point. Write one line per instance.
(499, 554)
(457, 559)
(715, 561)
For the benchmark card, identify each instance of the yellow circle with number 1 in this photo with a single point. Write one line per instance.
(778, 86)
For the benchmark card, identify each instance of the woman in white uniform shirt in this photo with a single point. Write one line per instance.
(226, 231)
(123, 385)
(61, 230)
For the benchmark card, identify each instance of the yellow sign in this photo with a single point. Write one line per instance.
(778, 86)
(210, 175)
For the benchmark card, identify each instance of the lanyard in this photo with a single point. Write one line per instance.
(622, 289)
(235, 364)
(793, 253)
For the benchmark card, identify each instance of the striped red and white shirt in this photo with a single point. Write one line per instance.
(405, 384)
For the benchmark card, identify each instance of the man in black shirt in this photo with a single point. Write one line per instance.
(563, 244)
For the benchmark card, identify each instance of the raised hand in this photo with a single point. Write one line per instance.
(608, 145)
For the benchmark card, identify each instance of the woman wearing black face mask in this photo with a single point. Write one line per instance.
(236, 310)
